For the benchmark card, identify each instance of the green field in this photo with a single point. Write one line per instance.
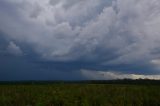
(79, 95)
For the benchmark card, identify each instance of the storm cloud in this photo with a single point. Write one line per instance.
(121, 35)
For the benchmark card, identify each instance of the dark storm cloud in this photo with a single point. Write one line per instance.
(13, 68)
(109, 35)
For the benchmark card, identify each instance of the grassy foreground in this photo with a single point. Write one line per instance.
(79, 95)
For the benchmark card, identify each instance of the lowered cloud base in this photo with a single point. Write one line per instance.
(110, 75)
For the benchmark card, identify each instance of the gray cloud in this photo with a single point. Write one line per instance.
(14, 49)
(110, 32)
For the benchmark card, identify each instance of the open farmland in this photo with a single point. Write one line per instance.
(79, 95)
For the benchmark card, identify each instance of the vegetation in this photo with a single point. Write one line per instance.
(83, 94)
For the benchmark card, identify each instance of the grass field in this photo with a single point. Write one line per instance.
(79, 95)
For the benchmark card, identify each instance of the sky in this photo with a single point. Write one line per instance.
(79, 39)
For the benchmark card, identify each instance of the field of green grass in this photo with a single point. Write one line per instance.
(79, 95)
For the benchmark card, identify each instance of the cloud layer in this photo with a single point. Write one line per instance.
(106, 32)
(111, 75)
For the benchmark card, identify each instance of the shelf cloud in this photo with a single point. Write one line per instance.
(111, 75)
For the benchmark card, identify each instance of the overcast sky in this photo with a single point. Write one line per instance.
(79, 39)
